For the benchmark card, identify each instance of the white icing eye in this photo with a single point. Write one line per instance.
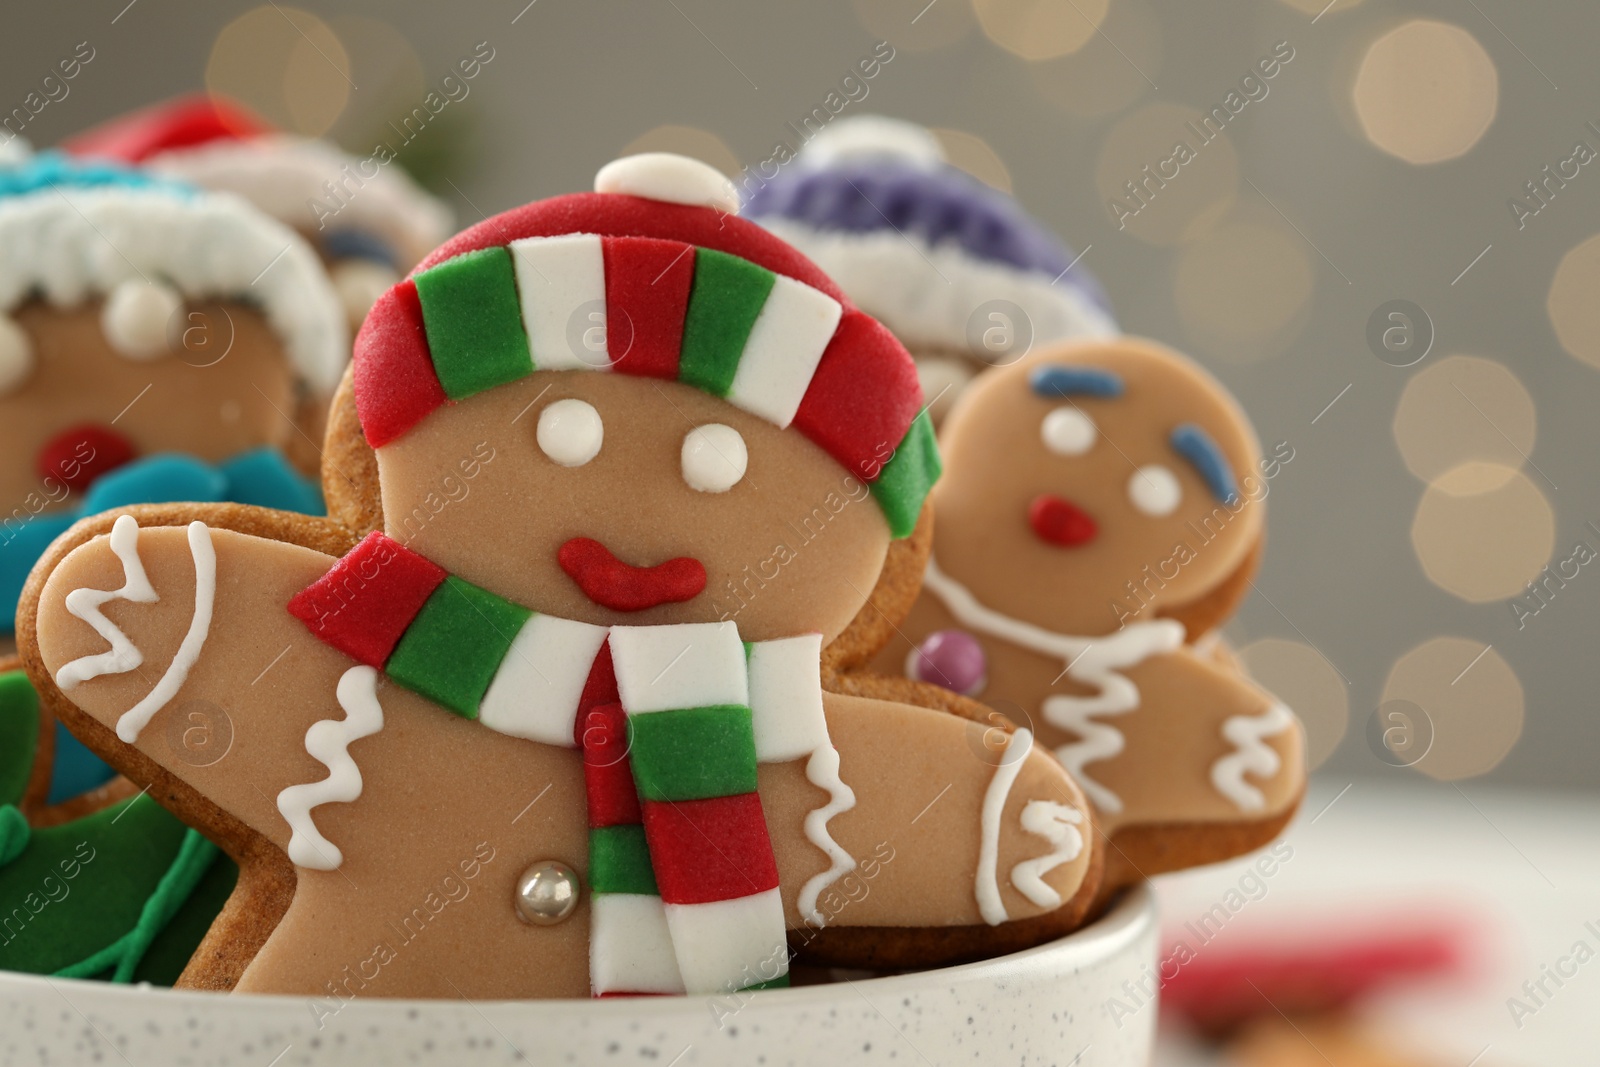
(570, 432)
(16, 355)
(1068, 432)
(135, 318)
(714, 458)
(359, 283)
(1154, 490)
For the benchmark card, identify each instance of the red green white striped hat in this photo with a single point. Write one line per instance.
(685, 291)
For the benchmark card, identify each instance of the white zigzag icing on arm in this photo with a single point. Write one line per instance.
(1057, 824)
(124, 655)
(986, 885)
(329, 742)
(1247, 735)
(822, 769)
(85, 604)
(204, 554)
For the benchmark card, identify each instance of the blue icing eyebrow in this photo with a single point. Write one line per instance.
(1196, 446)
(1075, 381)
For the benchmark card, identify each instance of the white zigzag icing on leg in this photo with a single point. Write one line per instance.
(329, 742)
(1247, 734)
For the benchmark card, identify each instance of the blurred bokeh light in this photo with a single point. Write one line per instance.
(1426, 91)
(1109, 73)
(1243, 291)
(1040, 29)
(1464, 409)
(1483, 531)
(1574, 302)
(1188, 201)
(974, 155)
(285, 63)
(1473, 701)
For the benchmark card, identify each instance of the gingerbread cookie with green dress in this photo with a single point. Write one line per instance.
(1102, 508)
(540, 711)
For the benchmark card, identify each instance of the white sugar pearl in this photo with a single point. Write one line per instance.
(359, 283)
(135, 318)
(714, 458)
(570, 432)
(16, 355)
(1068, 432)
(1155, 491)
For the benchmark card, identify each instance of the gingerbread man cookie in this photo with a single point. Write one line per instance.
(364, 216)
(526, 739)
(963, 276)
(1102, 504)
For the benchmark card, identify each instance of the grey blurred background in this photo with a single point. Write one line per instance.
(1379, 165)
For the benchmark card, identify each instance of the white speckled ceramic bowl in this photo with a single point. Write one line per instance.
(1042, 1006)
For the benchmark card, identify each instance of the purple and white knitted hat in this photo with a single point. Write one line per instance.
(921, 245)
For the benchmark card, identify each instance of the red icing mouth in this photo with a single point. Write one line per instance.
(79, 455)
(1058, 521)
(620, 586)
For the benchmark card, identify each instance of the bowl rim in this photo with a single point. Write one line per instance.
(1128, 920)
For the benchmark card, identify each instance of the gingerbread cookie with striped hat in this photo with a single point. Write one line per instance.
(540, 711)
(1102, 508)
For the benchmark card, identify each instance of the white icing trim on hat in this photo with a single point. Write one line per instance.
(669, 177)
(926, 295)
(873, 137)
(71, 242)
(282, 174)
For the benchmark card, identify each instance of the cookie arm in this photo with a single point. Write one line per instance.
(169, 651)
(955, 823)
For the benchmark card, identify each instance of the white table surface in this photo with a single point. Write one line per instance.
(1520, 868)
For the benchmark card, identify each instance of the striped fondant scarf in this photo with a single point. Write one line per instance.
(672, 721)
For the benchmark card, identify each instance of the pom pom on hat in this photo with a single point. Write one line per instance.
(922, 245)
(71, 229)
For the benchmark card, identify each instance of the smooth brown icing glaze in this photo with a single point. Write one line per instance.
(1172, 814)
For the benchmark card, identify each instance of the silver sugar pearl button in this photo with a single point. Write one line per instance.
(547, 893)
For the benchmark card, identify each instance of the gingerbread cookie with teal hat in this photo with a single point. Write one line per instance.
(539, 712)
(961, 273)
(1102, 508)
(156, 343)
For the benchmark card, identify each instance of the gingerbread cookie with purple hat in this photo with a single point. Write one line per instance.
(1102, 506)
(511, 742)
(367, 219)
(956, 268)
